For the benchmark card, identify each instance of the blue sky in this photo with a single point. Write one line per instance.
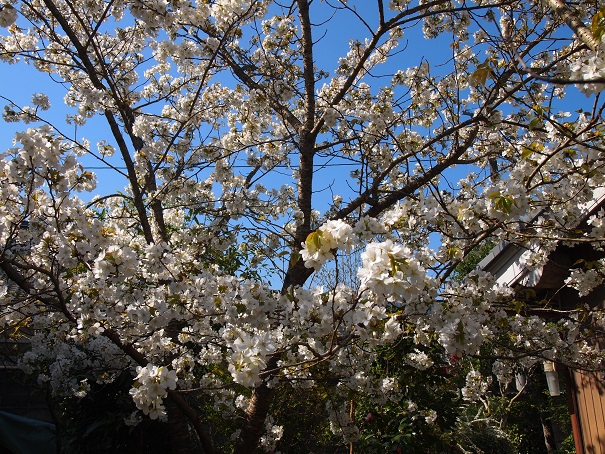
(24, 81)
(18, 82)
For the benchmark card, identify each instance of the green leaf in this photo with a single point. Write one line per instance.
(452, 252)
(501, 202)
(518, 306)
(527, 152)
(593, 264)
(294, 258)
(598, 23)
(396, 264)
(393, 264)
(479, 77)
(535, 124)
(313, 241)
(570, 153)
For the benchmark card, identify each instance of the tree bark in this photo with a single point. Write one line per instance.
(573, 21)
(256, 413)
(181, 441)
(296, 274)
(549, 436)
(352, 416)
(194, 419)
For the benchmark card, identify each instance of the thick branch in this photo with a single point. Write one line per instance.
(256, 413)
(308, 67)
(433, 172)
(132, 176)
(569, 17)
(113, 124)
(194, 418)
(298, 274)
(13, 274)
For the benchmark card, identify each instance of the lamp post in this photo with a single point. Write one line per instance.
(552, 378)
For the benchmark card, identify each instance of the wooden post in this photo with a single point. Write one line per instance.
(572, 404)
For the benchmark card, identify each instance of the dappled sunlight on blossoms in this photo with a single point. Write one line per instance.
(150, 388)
(476, 386)
(589, 66)
(390, 270)
(232, 210)
(321, 244)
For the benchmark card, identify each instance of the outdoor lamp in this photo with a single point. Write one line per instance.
(520, 381)
(552, 378)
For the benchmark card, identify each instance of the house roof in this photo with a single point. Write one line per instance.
(506, 264)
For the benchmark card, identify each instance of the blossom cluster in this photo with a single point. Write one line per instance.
(151, 387)
(420, 360)
(273, 434)
(476, 386)
(248, 360)
(342, 424)
(392, 271)
(589, 70)
(585, 281)
(321, 245)
(195, 266)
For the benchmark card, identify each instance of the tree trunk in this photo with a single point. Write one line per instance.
(257, 411)
(181, 441)
(183, 407)
(297, 273)
(575, 23)
(352, 416)
(549, 436)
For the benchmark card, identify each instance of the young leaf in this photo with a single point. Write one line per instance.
(479, 77)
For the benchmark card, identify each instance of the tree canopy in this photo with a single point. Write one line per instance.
(258, 141)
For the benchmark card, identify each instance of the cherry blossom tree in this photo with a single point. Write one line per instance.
(257, 142)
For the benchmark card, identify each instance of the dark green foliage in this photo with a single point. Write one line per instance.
(533, 408)
(95, 423)
(303, 415)
(472, 259)
(398, 426)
